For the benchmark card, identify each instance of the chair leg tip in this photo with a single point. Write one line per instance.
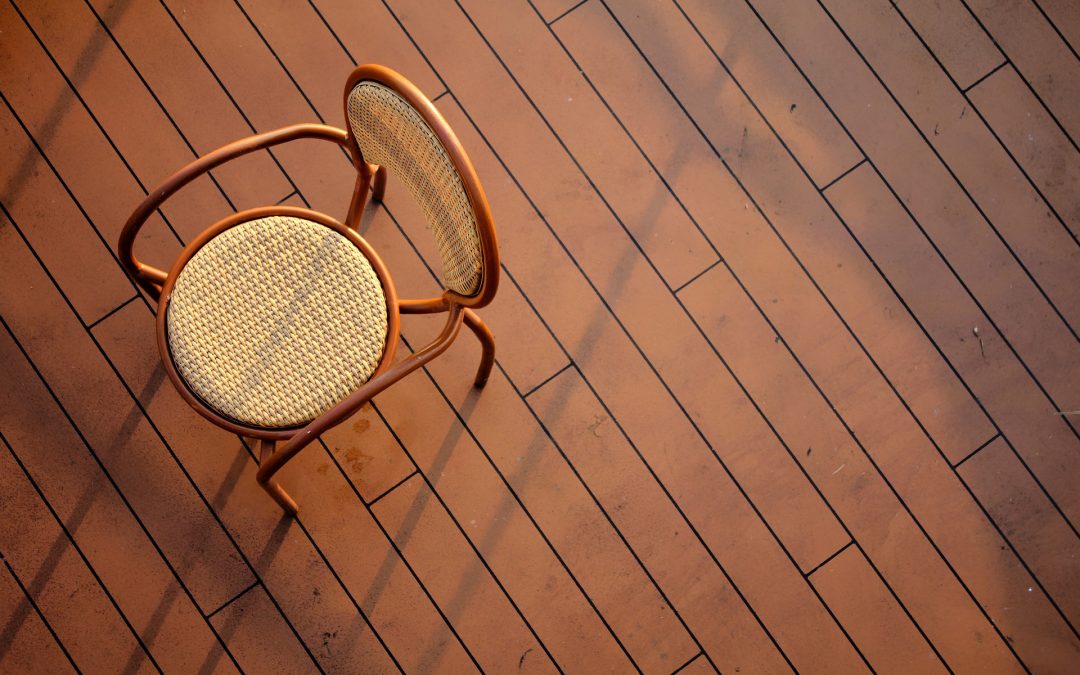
(287, 503)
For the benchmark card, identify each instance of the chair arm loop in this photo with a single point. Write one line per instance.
(151, 278)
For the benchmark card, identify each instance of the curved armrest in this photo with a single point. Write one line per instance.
(151, 279)
(340, 412)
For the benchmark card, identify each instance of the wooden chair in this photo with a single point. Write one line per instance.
(278, 323)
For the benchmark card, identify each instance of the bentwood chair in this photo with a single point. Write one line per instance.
(278, 323)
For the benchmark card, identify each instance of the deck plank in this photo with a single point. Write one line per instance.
(39, 552)
(1038, 53)
(164, 612)
(787, 248)
(432, 543)
(258, 636)
(29, 643)
(877, 623)
(984, 265)
(125, 442)
(279, 552)
(1031, 136)
(1000, 189)
(843, 466)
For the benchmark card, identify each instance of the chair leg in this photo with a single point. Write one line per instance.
(379, 187)
(272, 487)
(487, 343)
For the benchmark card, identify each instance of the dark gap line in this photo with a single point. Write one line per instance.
(502, 476)
(397, 550)
(993, 422)
(641, 458)
(112, 311)
(90, 113)
(280, 62)
(387, 490)
(108, 31)
(636, 245)
(1050, 206)
(683, 666)
(552, 22)
(1056, 29)
(989, 127)
(232, 100)
(831, 557)
(93, 453)
(956, 179)
(333, 32)
(963, 90)
(33, 604)
(148, 420)
(1067, 326)
(67, 535)
(330, 568)
(233, 599)
(645, 258)
(71, 195)
(517, 498)
(603, 301)
(288, 73)
(1021, 74)
(349, 594)
(286, 198)
(935, 445)
(754, 301)
(719, 260)
(945, 261)
(904, 402)
(977, 450)
(465, 537)
(836, 180)
(820, 494)
(726, 264)
(444, 93)
(948, 266)
(547, 379)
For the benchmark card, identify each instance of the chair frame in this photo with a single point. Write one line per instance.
(371, 178)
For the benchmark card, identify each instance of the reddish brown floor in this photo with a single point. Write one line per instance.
(788, 361)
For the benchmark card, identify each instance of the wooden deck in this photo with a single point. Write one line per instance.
(788, 367)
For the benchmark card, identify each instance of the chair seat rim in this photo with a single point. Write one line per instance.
(189, 251)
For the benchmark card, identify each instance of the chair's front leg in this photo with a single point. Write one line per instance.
(487, 344)
(265, 474)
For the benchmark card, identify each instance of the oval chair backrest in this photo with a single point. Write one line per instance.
(390, 131)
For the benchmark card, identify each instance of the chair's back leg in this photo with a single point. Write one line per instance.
(266, 451)
(359, 200)
(487, 344)
(379, 189)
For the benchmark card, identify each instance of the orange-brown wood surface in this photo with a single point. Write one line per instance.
(788, 343)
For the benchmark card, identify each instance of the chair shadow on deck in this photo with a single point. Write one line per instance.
(70, 527)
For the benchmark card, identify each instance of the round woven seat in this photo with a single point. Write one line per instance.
(275, 320)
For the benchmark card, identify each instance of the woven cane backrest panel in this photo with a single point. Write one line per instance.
(275, 320)
(391, 133)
